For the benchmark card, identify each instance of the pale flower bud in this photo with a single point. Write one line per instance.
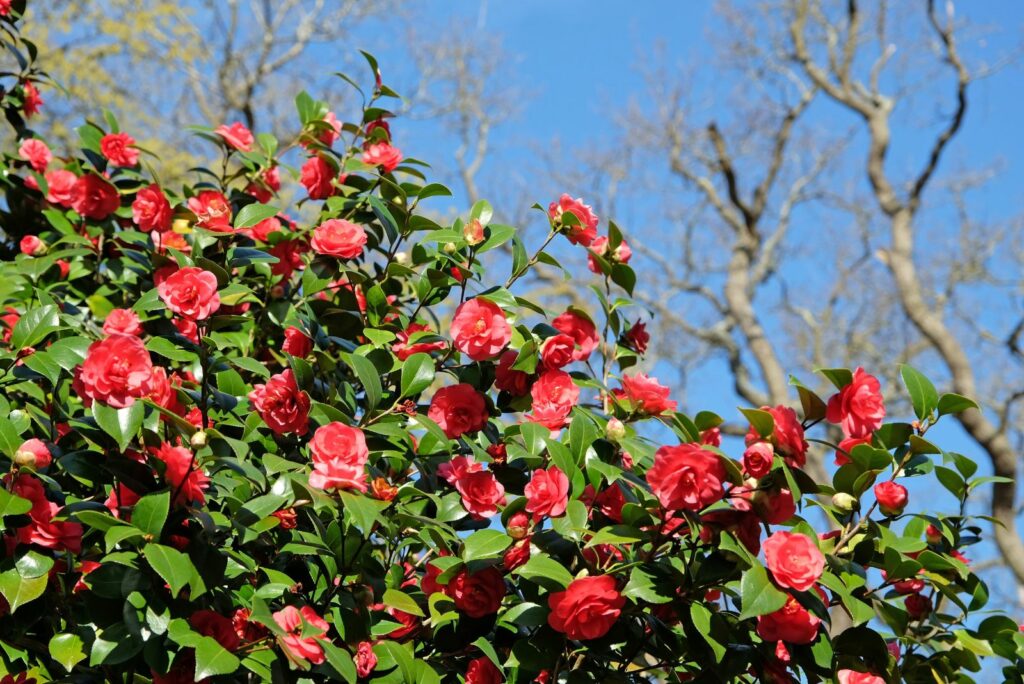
(845, 502)
(615, 430)
(473, 232)
(198, 440)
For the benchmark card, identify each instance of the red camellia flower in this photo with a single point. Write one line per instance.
(547, 493)
(281, 405)
(236, 136)
(33, 453)
(403, 349)
(480, 329)
(117, 370)
(60, 185)
(212, 210)
(151, 210)
(557, 351)
(515, 382)
(757, 459)
(214, 625)
(265, 228)
(644, 394)
(94, 198)
(317, 177)
(32, 100)
(516, 556)
(296, 342)
(854, 677)
(186, 480)
(302, 627)
(365, 659)
(792, 623)
(918, 606)
(579, 328)
(637, 338)
(382, 154)
(554, 394)
(846, 446)
(191, 293)
(42, 529)
(774, 506)
(482, 671)
(458, 409)
(36, 153)
(481, 493)
(788, 436)
(892, 497)
(582, 234)
(122, 322)
(478, 594)
(31, 245)
(587, 609)
(686, 477)
(339, 457)
(119, 149)
(794, 560)
(339, 238)
(858, 408)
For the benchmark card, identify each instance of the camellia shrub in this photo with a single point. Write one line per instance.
(241, 446)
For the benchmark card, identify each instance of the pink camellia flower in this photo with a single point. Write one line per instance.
(122, 322)
(33, 453)
(480, 329)
(191, 293)
(117, 370)
(620, 255)
(582, 234)
(547, 493)
(94, 198)
(60, 184)
(339, 238)
(846, 446)
(296, 342)
(186, 479)
(858, 408)
(339, 457)
(557, 351)
(757, 459)
(382, 154)
(36, 153)
(365, 659)
(686, 477)
(457, 467)
(403, 350)
(317, 177)
(794, 560)
(151, 210)
(892, 497)
(787, 437)
(31, 245)
(458, 410)
(119, 149)
(515, 382)
(42, 529)
(236, 136)
(283, 407)
(579, 328)
(481, 493)
(328, 135)
(854, 677)
(792, 623)
(303, 627)
(644, 394)
(212, 210)
(554, 394)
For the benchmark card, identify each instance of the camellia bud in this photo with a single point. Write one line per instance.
(277, 291)
(401, 257)
(518, 525)
(473, 232)
(198, 440)
(845, 502)
(615, 430)
(933, 535)
(892, 497)
(181, 226)
(32, 454)
(449, 248)
(32, 246)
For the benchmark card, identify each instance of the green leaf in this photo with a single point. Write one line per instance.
(813, 406)
(10, 438)
(417, 374)
(213, 659)
(340, 660)
(369, 378)
(362, 511)
(758, 594)
(384, 216)
(172, 565)
(641, 587)
(955, 403)
(923, 395)
(433, 190)
(150, 513)
(545, 571)
(701, 617)
(762, 421)
(484, 544)
(42, 363)
(67, 649)
(68, 352)
(121, 424)
(402, 601)
(34, 325)
(13, 505)
(840, 377)
(20, 590)
(251, 214)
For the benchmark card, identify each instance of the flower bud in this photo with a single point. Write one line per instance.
(198, 440)
(277, 291)
(615, 430)
(401, 258)
(845, 502)
(473, 232)
(32, 246)
(32, 454)
(892, 497)
(449, 248)
(933, 535)
(518, 525)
